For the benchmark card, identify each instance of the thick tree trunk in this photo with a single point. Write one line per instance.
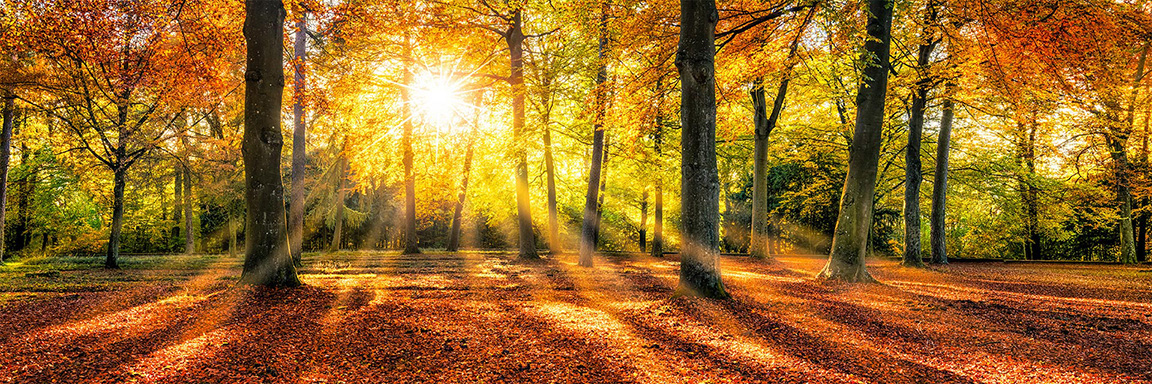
(299, 144)
(940, 186)
(658, 220)
(850, 240)
(458, 212)
(700, 185)
(267, 259)
(113, 258)
(189, 225)
(515, 40)
(5, 156)
(550, 172)
(338, 205)
(411, 241)
(759, 247)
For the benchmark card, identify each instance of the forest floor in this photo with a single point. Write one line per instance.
(487, 317)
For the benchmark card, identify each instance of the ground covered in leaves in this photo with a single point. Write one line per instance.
(489, 318)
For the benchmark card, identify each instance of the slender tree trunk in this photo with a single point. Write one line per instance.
(1029, 194)
(5, 156)
(644, 222)
(515, 40)
(231, 236)
(603, 192)
(657, 142)
(189, 225)
(341, 195)
(178, 205)
(550, 172)
(458, 212)
(411, 241)
(589, 231)
(299, 143)
(940, 185)
(267, 259)
(913, 172)
(700, 187)
(761, 237)
(850, 240)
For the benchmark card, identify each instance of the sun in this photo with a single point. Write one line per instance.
(437, 100)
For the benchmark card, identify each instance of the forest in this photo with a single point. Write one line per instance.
(840, 191)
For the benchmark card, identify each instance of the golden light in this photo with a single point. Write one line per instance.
(437, 100)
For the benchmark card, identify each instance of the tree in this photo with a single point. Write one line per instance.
(939, 241)
(854, 224)
(267, 260)
(299, 140)
(699, 192)
(411, 241)
(912, 166)
(591, 223)
(5, 155)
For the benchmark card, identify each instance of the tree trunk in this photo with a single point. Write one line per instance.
(231, 236)
(658, 209)
(267, 260)
(603, 193)
(299, 144)
(5, 156)
(341, 195)
(411, 241)
(113, 258)
(515, 40)
(590, 230)
(178, 205)
(458, 212)
(644, 222)
(850, 240)
(550, 171)
(1029, 194)
(940, 185)
(913, 172)
(700, 191)
(189, 225)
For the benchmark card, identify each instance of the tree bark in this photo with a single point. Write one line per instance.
(658, 208)
(341, 195)
(515, 40)
(1029, 194)
(643, 232)
(590, 230)
(299, 143)
(913, 172)
(458, 212)
(603, 193)
(267, 259)
(700, 184)
(411, 241)
(553, 215)
(850, 240)
(940, 185)
(5, 156)
(189, 225)
(118, 181)
(178, 205)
